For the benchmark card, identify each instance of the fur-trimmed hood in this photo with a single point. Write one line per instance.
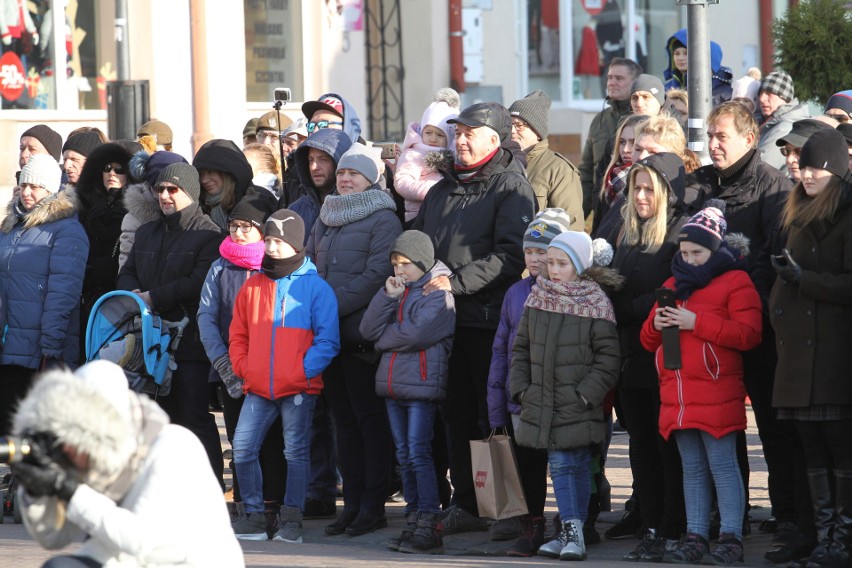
(609, 279)
(739, 242)
(52, 208)
(90, 186)
(140, 202)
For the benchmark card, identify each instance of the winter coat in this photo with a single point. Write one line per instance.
(216, 309)
(722, 75)
(601, 131)
(140, 469)
(101, 213)
(42, 261)
(477, 228)
(708, 392)
(284, 333)
(333, 143)
(812, 319)
(224, 156)
(777, 127)
(555, 182)
(556, 358)
(414, 333)
(142, 207)
(170, 260)
(355, 260)
(754, 199)
(417, 170)
(499, 398)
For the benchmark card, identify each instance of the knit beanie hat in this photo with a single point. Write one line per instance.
(83, 142)
(286, 225)
(706, 228)
(43, 171)
(841, 100)
(846, 131)
(252, 208)
(545, 226)
(778, 83)
(649, 84)
(161, 131)
(826, 150)
(363, 160)
(533, 109)
(416, 247)
(148, 167)
(182, 175)
(577, 245)
(49, 138)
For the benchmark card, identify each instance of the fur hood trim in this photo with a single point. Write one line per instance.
(739, 242)
(609, 279)
(140, 202)
(60, 205)
(439, 160)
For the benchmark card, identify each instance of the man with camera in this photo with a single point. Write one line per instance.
(103, 462)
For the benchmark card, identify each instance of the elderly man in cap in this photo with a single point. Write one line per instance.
(269, 127)
(779, 108)
(791, 144)
(167, 267)
(476, 217)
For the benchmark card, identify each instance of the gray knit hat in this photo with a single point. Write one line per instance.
(182, 175)
(545, 226)
(416, 247)
(533, 109)
(649, 84)
(360, 158)
(43, 171)
(778, 83)
(578, 246)
(286, 225)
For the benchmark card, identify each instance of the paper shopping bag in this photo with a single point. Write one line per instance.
(499, 494)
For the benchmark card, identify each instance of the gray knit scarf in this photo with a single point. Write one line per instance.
(339, 210)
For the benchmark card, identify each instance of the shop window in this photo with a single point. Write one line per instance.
(273, 36)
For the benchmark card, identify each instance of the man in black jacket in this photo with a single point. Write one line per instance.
(167, 267)
(476, 216)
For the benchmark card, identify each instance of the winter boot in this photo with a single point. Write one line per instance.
(841, 541)
(532, 537)
(575, 547)
(289, 525)
(407, 530)
(819, 483)
(426, 538)
(651, 543)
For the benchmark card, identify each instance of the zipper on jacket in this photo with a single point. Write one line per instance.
(714, 376)
(682, 407)
(272, 348)
(390, 375)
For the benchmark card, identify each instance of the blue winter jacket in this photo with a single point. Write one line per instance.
(43, 256)
(722, 75)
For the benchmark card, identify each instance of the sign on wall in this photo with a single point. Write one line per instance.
(271, 36)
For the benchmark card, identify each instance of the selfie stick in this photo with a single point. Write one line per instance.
(277, 107)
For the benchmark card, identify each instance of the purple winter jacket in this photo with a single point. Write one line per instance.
(500, 403)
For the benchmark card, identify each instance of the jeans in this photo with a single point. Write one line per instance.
(703, 455)
(256, 417)
(572, 481)
(323, 483)
(412, 425)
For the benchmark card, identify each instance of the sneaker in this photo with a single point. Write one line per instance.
(251, 527)
(532, 537)
(575, 546)
(649, 541)
(457, 520)
(316, 509)
(690, 549)
(729, 551)
(289, 525)
(505, 529)
(627, 527)
(407, 530)
(426, 538)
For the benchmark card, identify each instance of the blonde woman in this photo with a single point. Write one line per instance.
(663, 133)
(265, 166)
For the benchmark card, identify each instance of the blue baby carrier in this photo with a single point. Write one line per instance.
(122, 329)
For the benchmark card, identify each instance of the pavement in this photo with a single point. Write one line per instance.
(17, 550)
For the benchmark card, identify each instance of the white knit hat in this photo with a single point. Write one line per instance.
(578, 246)
(43, 171)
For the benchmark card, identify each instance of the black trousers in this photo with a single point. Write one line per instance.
(466, 408)
(826, 444)
(16, 382)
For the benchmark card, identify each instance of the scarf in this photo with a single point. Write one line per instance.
(690, 278)
(583, 298)
(339, 210)
(245, 256)
(20, 212)
(278, 268)
(616, 182)
(467, 173)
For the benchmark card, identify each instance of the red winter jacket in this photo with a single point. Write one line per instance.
(707, 392)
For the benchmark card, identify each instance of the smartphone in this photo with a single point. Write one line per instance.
(388, 151)
(665, 298)
(671, 335)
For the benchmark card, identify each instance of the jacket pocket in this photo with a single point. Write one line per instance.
(711, 362)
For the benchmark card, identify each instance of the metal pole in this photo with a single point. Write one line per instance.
(699, 75)
(122, 47)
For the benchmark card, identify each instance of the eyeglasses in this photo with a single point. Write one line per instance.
(172, 189)
(244, 229)
(321, 124)
(842, 117)
(519, 125)
(790, 151)
(117, 169)
(267, 136)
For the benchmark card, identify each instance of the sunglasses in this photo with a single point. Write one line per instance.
(321, 124)
(117, 169)
(172, 189)
(788, 151)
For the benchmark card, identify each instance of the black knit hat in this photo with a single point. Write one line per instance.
(846, 130)
(533, 109)
(182, 175)
(416, 247)
(649, 84)
(287, 226)
(49, 138)
(252, 208)
(83, 142)
(826, 150)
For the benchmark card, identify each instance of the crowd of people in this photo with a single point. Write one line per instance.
(364, 319)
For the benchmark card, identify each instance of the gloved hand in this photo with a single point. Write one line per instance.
(787, 268)
(233, 383)
(44, 478)
(48, 363)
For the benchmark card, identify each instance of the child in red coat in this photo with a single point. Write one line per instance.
(703, 402)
